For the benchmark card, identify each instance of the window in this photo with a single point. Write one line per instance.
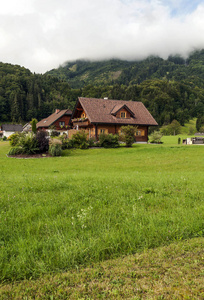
(61, 124)
(140, 132)
(123, 114)
(83, 115)
(102, 131)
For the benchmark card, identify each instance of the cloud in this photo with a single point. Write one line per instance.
(41, 35)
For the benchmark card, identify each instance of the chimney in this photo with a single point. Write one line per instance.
(57, 111)
(106, 98)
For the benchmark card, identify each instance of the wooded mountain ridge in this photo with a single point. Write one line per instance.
(170, 89)
(80, 73)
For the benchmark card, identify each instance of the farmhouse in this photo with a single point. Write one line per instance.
(107, 116)
(59, 120)
(8, 129)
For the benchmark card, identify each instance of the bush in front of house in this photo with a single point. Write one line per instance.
(155, 137)
(92, 142)
(128, 133)
(14, 139)
(28, 143)
(42, 141)
(23, 143)
(109, 140)
(15, 150)
(54, 133)
(67, 144)
(79, 140)
(55, 149)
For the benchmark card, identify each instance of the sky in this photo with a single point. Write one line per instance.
(43, 34)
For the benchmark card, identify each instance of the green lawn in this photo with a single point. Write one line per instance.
(91, 205)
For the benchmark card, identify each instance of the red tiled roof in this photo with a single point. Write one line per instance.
(103, 110)
(54, 117)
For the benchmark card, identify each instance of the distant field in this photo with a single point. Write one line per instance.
(91, 205)
(173, 140)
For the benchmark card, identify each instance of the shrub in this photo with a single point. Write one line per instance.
(42, 141)
(54, 133)
(79, 140)
(108, 140)
(155, 137)
(55, 149)
(14, 139)
(84, 145)
(15, 150)
(29, 143)
(67, 144)
(129, 135)
(4, 138)
(91, 142)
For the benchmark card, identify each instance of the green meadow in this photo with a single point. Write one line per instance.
(61, 213)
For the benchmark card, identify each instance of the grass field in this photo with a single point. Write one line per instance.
(59, 214)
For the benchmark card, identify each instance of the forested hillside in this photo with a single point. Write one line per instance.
(24, 95)
(170, 89)
(80, 73)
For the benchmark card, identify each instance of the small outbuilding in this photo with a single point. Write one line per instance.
(8, 129)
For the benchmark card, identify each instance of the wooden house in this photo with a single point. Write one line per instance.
(59, 121)
(107, 116)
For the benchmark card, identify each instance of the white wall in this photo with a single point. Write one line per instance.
(7, 133)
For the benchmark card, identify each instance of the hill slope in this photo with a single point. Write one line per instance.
(80, 73)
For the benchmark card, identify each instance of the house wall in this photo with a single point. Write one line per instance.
(142, 131)
(74, 131)
(8, 133)
(64, 119)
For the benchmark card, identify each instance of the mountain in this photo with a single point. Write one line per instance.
(81, 72)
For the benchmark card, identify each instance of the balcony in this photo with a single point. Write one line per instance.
(80, 122)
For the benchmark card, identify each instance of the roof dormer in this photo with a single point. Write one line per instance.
(122, 111)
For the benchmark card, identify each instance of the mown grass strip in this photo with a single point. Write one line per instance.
(171, 272)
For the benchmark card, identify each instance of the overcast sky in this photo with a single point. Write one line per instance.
(42, 34)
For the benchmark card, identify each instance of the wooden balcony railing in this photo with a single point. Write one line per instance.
(82, 122)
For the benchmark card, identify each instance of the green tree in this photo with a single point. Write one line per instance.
(33, 124)
(199, 122)
(129, 134)
(174, 127)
